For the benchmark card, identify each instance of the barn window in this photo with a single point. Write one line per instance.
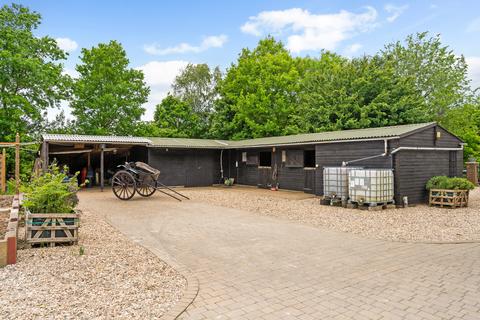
(309, 159)
(265, 159)
(294, 159)
(252, 159)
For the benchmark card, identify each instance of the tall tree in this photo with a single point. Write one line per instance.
(440, 75)
(196, 86)
(175, 118)
(339, 93)
(108, 95)
(258, 95)
(31, 77)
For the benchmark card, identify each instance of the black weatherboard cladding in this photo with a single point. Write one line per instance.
(412, 168)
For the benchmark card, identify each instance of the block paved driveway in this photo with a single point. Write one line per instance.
(254, 267)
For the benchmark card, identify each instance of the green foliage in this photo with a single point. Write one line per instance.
(81, 251)
(108, 95)
(51, 192)
(339, 93)
(455, 183)
(259, 94)
(10, 189)
(31, 77)
(229, 181)
(196, 86)
(440, 75)
(175, 118)
(464, 121)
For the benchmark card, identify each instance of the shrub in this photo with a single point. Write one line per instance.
(51, 192)
(443, 182)
(229, 181)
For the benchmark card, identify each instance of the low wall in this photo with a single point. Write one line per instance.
(8, 245)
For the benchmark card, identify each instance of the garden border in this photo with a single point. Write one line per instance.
(8, 246)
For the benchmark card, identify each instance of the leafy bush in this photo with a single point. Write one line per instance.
(443, 182)
(51, 192)
(229, 181)
(10, 189)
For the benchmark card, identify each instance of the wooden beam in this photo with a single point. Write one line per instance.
(102, 159)
(3, 171)
(72, 151)
(17, 163)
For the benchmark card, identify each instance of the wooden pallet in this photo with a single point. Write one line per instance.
(372, 206)
(448, 198)
(51, 228)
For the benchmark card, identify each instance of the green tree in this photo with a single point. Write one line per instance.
(196, 85)
(175, 118)
(339, 93)
(440, 75)
(464, 121)
(31, 77)
(258, 95)
(108, 95)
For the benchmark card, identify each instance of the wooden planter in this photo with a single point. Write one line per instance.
(51, 228)
(448, 198)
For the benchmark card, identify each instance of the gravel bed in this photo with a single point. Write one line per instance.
(5, 203)
(420, 223)
(114, 278)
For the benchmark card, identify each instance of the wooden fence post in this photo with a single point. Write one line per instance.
(3, 171)
(17, 163)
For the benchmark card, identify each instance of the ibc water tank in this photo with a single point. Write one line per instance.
(370, 185)
(335, 182)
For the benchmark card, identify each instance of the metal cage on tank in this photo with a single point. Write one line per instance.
(335, 182)
(371, 185)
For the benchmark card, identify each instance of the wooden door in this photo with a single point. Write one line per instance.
(309, 174)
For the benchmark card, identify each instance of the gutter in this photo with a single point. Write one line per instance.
(427, 149)
(384, 154)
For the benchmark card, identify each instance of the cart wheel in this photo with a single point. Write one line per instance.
(123, 185)
(147, 187)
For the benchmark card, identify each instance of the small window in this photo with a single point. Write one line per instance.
(294, 159)
(265, 159)
(252, 159)
(244, 157)
(309, 159)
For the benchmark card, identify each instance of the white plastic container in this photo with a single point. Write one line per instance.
(371, 185)
(335, 182)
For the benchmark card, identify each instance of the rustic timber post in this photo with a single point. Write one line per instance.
(17, 163)
(3, 172)
(102, 158)
(472, 172)
(45, 156)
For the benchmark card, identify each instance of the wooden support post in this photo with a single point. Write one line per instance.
(44, 156)
(17, 163)
(3, 171)
(102, 158)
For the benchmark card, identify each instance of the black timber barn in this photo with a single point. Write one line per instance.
(415, 152)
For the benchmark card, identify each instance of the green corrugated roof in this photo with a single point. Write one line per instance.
(354, 134)
(342, 135)
(188, 143)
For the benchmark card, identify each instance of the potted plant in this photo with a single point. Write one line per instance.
(49, 202)
(449, 192)
(229, 182)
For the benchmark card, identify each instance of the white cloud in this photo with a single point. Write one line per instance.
(353, 48)
(309, 31)
(159, 75)
(395, 11)
(71, 72)
(474, 25)
(207, 43)
(67, 44)
(474, 70)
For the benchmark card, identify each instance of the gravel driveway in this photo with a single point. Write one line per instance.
(113, 278)
(256, 267)
(419, 223)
